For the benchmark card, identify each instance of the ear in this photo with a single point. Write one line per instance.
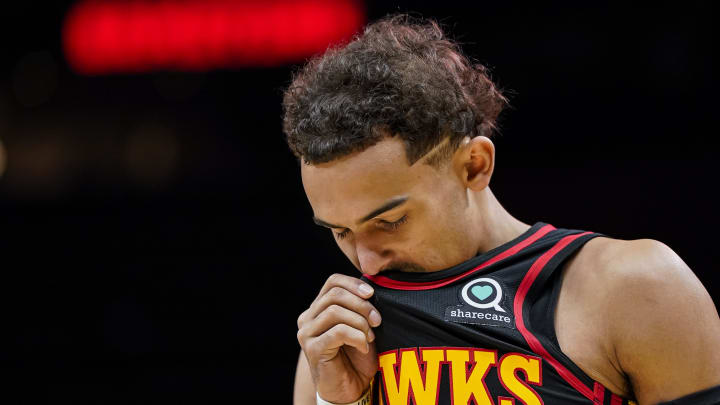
(474, 161)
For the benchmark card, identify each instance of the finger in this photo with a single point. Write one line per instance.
(352, 284)
(326, 346)
(335, 315)
(344, 298)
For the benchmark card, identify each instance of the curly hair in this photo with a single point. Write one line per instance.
(401, 77)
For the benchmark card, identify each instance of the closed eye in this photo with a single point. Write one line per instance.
(395, 225)
(390, 225)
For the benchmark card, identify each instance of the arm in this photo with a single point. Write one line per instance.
(304, 391)
(662, 323)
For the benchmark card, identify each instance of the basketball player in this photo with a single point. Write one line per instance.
(459, 302)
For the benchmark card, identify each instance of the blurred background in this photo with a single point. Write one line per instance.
(157, 243)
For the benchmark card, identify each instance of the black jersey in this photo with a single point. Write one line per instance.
(482, 332)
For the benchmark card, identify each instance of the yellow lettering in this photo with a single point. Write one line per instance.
(510, 364)
(464, 386)
(422, 385)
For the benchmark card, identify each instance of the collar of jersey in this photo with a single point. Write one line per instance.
(422, 281)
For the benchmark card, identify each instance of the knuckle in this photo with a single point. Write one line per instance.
(333, 310)
(301, 337)
(334, 278)
(340, 330)
(310, 348)
(336, 292)
(301, 319)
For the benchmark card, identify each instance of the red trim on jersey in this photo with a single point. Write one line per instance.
(426, 285)
(616, 400)
(532, 341)
(599, 393)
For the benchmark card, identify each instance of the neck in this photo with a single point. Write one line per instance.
(497, 225)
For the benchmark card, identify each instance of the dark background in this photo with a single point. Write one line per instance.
(157, 244)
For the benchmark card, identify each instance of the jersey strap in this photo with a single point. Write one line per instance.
(533, 284)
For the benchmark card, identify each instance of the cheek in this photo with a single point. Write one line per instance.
(444, 219)
(427, 244)
(445, 240)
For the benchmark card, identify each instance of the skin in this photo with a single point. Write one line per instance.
(624, 309)
(635, 318)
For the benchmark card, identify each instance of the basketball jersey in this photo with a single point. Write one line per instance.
(482, 332)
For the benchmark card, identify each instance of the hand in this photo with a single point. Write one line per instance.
(337, 340)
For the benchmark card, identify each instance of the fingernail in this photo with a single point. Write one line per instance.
(365, 289)
(371, 336)
(375, 318)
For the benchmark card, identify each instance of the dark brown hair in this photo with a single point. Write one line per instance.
(401, 77)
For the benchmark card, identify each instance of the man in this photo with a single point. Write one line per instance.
(459, 302)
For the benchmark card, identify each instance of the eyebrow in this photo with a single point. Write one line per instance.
(385, 207)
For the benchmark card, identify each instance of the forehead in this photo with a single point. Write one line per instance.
(350, 186)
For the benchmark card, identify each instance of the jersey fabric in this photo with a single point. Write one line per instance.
(482, 332)
(710, 396)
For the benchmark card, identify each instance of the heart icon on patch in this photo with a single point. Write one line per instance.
(482, 292)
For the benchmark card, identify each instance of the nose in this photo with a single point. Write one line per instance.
(372, 259)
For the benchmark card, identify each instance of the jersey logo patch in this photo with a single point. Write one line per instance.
(481, 303)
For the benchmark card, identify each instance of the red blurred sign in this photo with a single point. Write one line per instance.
(102, 37)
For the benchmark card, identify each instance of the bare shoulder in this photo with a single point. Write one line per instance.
(641, 266)
(659, 327)
(627, 256)
(636, 272)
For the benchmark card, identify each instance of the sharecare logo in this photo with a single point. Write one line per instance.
(481, 303)
(483, 293)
